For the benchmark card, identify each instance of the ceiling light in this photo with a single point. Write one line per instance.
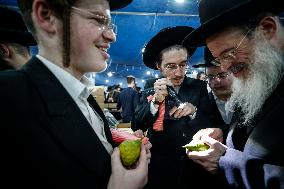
(109, 74)
(180, 1)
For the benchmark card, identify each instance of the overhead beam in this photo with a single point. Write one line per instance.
(153, 14)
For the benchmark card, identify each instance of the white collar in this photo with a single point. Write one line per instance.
(76, 88)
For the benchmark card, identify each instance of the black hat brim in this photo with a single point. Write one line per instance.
(118, 4)
(199, 66)
(20, 37)
(229, 17)
(167, 37)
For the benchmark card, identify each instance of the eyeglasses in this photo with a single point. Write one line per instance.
(230, 55)
(220, 76)
(174, 67)
(103, 22)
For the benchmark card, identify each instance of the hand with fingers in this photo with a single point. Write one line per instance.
(134, 178)
(215, 133)
(184, 109)
(209, 159)
(139, 133)
(160, 87)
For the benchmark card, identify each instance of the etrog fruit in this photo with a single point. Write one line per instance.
(130, 152)
(196, 145)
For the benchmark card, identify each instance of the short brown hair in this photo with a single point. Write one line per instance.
(61, 10)
(130, 78)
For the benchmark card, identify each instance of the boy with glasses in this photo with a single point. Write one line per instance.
(247, 37)
(54, 134)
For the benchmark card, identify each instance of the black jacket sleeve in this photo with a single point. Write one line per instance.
(143, 118)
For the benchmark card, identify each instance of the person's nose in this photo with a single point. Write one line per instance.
(179, 71)
(110, 35)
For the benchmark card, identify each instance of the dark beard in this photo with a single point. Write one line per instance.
(266, 70)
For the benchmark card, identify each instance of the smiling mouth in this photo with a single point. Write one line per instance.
(237, 68)
(103, 49)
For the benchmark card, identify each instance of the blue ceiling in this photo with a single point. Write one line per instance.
(137, 24)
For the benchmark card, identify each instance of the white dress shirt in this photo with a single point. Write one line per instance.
(80, 91)
(225, 113)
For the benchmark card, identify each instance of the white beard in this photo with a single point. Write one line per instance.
(266, 71)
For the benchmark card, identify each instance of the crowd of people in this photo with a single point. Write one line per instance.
(54, 134)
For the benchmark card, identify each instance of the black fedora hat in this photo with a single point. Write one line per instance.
(217, 14)
(165, 38)
(13, 28)
(118, 4)
(208, 58)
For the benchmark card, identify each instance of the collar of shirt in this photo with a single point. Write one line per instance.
(177, 89)
(218, 101)
(74, 87)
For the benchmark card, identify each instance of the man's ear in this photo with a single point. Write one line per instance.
(158, 65)
(44, 16)
(4, 51)
(268, 25)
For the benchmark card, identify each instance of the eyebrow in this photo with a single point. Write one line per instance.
(184, 61)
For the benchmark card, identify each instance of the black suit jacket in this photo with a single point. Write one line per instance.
(46, 141)
(170, 167)
(127, 101)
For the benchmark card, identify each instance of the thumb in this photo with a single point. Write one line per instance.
(208, 140)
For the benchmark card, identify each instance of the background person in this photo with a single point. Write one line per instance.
(15, 40)
(128, 100)
(201, 76)
(220, 83)
(246, 37)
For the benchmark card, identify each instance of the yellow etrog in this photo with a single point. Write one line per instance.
(130, 152)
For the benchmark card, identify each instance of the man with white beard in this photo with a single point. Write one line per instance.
(246, 37)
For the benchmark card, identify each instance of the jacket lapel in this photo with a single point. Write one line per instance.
(97, 108)
(65, 121)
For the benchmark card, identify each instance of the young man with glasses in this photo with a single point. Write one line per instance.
(173, 108)
(54, 135)
(247, 39)
(220, 83)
